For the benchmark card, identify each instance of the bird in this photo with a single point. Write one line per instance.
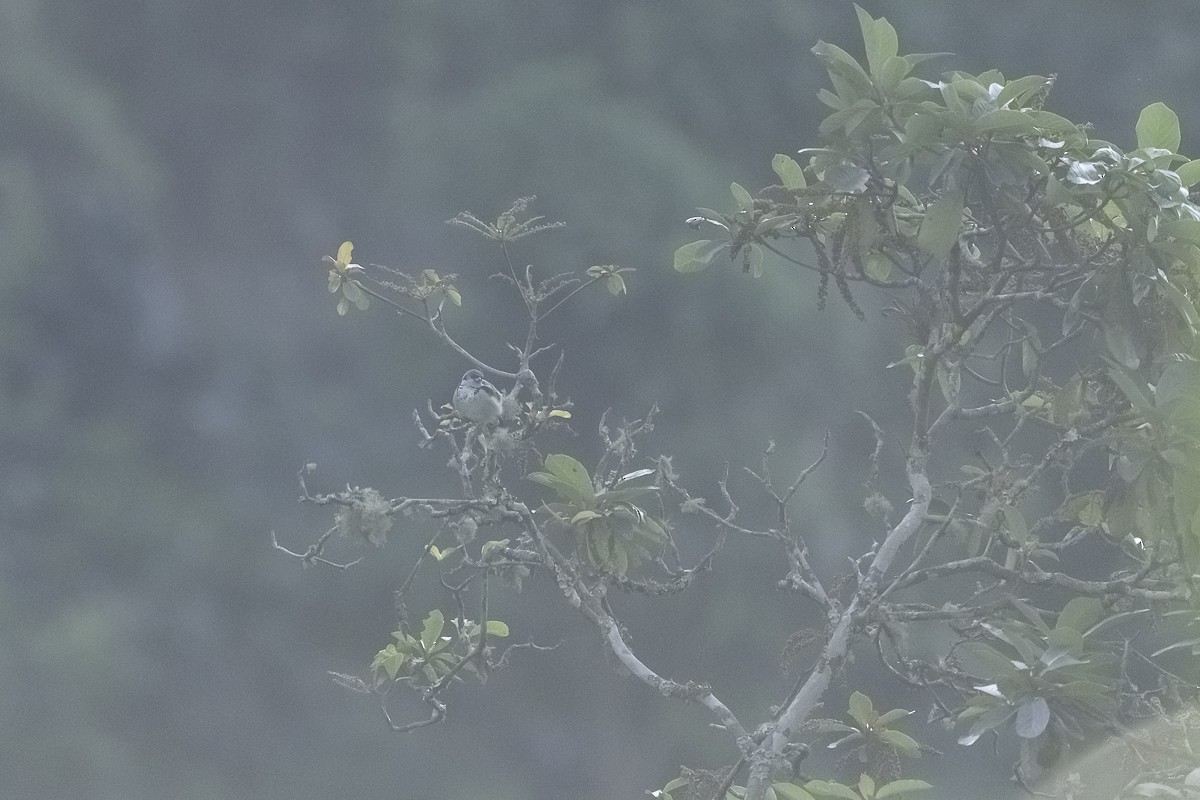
(477, 400)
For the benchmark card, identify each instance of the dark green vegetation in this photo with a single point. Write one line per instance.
(170, 174)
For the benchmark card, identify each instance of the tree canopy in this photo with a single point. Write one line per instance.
(1043, 512)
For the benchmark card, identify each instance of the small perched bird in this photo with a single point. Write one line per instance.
(476, 400)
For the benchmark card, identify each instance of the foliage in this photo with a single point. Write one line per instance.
(611, 531)
(431, 656)
(872, 742)
(1045, 279)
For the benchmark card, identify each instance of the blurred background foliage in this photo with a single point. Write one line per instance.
(171, 173)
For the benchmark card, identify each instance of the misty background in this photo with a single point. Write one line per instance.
(172, 172)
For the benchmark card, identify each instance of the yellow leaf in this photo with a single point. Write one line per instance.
(344, 254)
(558, 412)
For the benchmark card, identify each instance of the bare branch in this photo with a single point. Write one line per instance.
(312, 555)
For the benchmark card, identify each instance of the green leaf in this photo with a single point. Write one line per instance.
(1122, 345)
(992, 718)
(573, 473)
(563, 488)
(900, 786)
(851, 119)
(676, 783)
(1185, 253)
(879, 37)
(954, 104)
(791, 174)
(831, 789)
(1007, 633)
(1175, 646)
(616, 285)
(1033, 715)
(618, 559)
(432, 629)
(1086, 509)
(920, 129)
(585, 516)
(390, 660)
(696, 256)
(1073, 318)
(1189, 173)
(626, 494)
(894, 70)
(443, 664)
(862, 709)
(877, 266)
(740, 196)
(1131, 387)
(866, 785)
(1187, 230)
(1064, 640)
(1067, 403)
(898, 713)
(1007, 121)
(1158, 126)
(790, 791)
(940, 227)
(849, 79)
(1099, 697)
(1053, 123)
(354, 293)
(1020, 90)
(497, 628)
(985, 661)
(830, 99)
(825, 726)
(902, 742)
(1178, 383)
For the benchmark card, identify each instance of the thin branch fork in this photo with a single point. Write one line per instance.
(844, 627)
(589, 604)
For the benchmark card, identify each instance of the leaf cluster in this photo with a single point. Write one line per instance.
(434, 655)
(611, 528)
(1056, 680)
